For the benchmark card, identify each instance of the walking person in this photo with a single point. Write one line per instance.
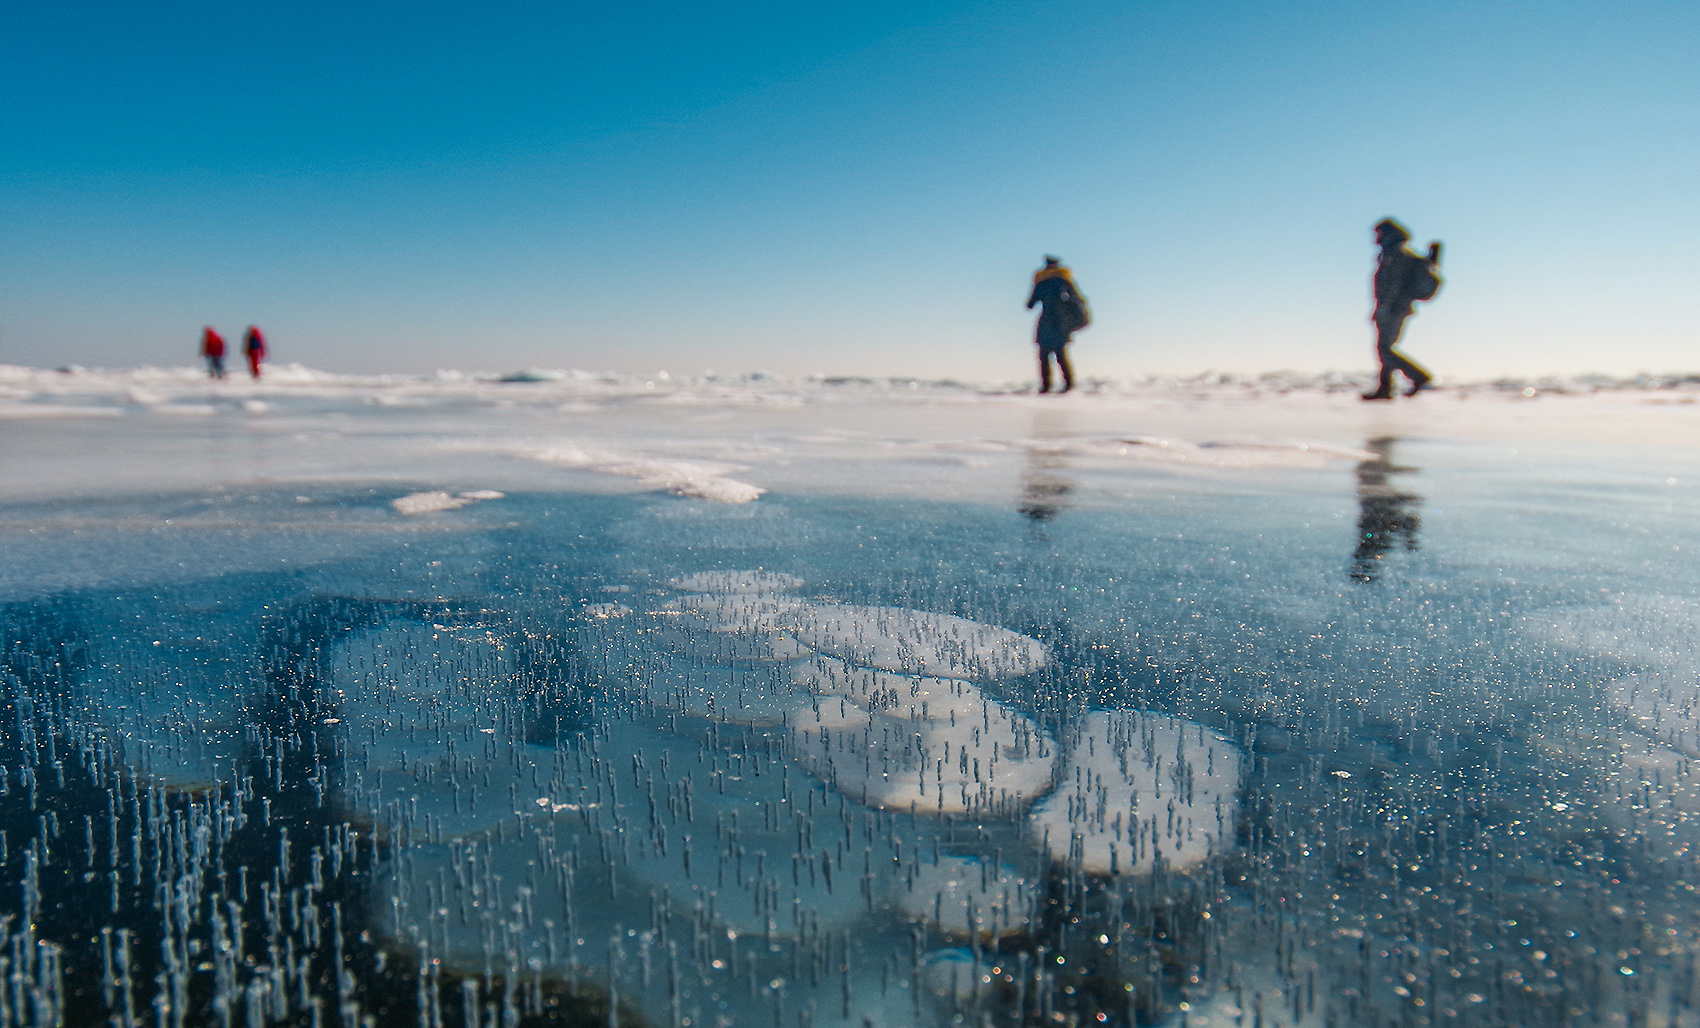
(1064, 313)
(254, 345)
(212, 348)
(1401, 279)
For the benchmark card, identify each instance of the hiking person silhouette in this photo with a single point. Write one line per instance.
(1401, 279)
(1064, 312)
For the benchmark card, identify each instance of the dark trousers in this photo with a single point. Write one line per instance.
(1387, 329)
(215, 365)
(1047, 354)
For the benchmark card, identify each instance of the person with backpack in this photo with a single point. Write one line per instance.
(1064, 313)
(254, 345)
(212, 348)
(1401, 279)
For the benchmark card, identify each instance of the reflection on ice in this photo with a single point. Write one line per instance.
(1387, 518)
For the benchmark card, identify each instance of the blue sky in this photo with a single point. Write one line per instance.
(858, 189)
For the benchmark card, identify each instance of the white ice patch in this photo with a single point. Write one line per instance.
(916, 697)
(967, 896)
(605, 611)
(916, 642)
(1226, 453)
(1647, 791)
(696, 479)
(56, 410)
(1138, 785)
(734, 612)
(891, 733)
(1654, 631)
(1000, 759)
(1664, 707)
(981, 756)
(413, 727)
(720, 490)
(428, 502)
(1655, 791)
(1657, 635)
(735, 582)
(433, 501)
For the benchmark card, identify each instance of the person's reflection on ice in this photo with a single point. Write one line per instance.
(1044, 493)
(1044, 487)
(1386, 516)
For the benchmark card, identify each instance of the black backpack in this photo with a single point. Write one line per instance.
(1075, 314)
(1423, 280)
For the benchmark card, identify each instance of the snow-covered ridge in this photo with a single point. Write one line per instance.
(157, 387)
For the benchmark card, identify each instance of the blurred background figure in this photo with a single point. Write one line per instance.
(1064, 313)
(1401, 279)
(212, 348)
(254, 345)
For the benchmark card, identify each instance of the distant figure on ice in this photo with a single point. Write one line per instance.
(254, 345)
(1401, 279)
(1064, 313)
(212, 348)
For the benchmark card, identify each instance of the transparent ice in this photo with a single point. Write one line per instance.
(810, 708)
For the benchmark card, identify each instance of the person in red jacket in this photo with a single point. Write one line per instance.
(212, 348)
(254, 345)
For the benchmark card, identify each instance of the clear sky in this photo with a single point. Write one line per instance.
(845, 188)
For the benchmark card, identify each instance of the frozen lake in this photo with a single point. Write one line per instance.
(745, 702)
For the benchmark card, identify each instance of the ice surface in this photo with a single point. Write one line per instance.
(1181, 703)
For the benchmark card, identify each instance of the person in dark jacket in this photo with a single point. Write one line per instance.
(1064, 311)
(1398, 274)
(254, 345)
(212, 348)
